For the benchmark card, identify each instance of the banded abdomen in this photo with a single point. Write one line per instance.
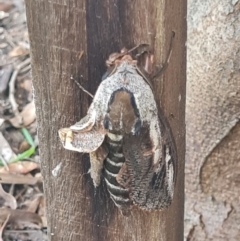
(112, 166)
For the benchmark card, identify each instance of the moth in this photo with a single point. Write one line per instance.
(129, 141)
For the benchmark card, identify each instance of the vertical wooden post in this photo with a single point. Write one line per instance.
(60, 31)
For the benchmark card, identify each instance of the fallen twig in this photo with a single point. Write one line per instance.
(3, 226)
(12, 88)
(18, 179)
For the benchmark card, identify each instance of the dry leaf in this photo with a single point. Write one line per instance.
(38, 175)
(20, 217)
(7, 200)
(18, 50)
(27, 85)
(25, 235)
(21, 167)
(32, 205)
(27, 115)
(1, 121)
(24, 146)
(5, 7)
(3, 15)
(41, 209)
(19, 179)
(3, 226)
(44, 221)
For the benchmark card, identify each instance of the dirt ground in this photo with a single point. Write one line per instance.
(21, 193)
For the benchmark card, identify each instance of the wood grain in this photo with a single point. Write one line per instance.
(59, 31)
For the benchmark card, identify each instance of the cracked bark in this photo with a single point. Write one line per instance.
(212, 121)
(59, 31)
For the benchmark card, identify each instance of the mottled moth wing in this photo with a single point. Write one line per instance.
(87, 136)
(80, 136)
(152, 184)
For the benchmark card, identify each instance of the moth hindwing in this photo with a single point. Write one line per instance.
(129, 142)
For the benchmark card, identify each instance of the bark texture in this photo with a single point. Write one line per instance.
(212, 121)
(60, 31)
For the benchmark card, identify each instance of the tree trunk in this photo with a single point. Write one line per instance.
(59, 32)
(212, 120)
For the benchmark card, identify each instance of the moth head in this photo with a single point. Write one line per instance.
(139, 55)
(117, 58)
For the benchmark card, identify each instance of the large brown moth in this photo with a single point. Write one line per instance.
(129, 142)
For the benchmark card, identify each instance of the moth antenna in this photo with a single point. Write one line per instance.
(81, 87)
(164, 66)
(143, 52)
(137, 46)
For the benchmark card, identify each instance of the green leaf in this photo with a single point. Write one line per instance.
(23, 155)
(26, 153)
(27, 136)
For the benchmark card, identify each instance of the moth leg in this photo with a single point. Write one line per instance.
(165, 64)
(96, 159)
(109, 72)
(82, 88)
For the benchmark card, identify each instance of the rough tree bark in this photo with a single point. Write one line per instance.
(212, 121)
(59, 32)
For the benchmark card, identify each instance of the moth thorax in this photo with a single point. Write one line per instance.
(122, 113)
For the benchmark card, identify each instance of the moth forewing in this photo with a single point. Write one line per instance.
(86, 123)
(87, 141)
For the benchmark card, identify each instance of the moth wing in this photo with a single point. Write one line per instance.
(96, 159)
(123, 177)
(86, 123)
(152, 183)
(87, 141)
